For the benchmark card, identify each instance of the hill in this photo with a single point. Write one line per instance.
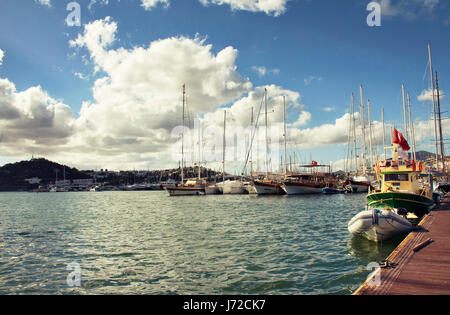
(12, 176)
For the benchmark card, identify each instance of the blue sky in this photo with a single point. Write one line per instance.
(322, 50)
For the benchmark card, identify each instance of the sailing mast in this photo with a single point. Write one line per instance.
(285, 136)
(363, 127)
(370, 135)
(182, 139)
(354, 133)
(434, 104)
(224, 143)
(384, 134)
(347, 171)
(251, 148)
(267, 139)
(404, 111)
(440, 125)
(411, 125)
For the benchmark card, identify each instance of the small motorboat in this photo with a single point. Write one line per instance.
(380, 224)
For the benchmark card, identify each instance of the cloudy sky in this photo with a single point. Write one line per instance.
(108, 93)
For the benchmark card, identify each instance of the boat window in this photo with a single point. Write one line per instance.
(396, 177)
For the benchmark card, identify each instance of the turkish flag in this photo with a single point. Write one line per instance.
(314, 163)
(400, 140)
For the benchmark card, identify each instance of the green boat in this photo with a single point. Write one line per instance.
(402, 184)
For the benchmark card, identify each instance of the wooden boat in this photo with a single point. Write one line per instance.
(402, 184)
(268, 187)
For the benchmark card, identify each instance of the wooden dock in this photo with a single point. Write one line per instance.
(421, 263)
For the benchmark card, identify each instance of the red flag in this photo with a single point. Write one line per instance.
(398, 139)
(314, 163)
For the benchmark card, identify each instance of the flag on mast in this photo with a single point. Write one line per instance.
(400, 140)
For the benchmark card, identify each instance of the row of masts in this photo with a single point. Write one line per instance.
(352, 150)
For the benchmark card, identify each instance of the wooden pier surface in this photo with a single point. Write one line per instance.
(418, 270)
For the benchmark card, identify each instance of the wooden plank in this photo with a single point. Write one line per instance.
(426, 271)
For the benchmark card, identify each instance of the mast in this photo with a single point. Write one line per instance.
(199, 148)
(363, 127)
(354, 133)
(251, 149)
(370, 135)
(404, 112)
(434, 105)
(440, 125)
(267, 139)
(224, 143)
(384, 134)
(347, 171)
(411, 125)
(182, 138)
(285, 136)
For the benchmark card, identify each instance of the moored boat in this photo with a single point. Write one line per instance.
(233, 187)
(402, 185)
(268, 187)
(379, 224)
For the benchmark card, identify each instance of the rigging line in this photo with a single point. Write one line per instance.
(253, 135)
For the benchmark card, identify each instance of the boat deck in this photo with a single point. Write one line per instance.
(420, 266)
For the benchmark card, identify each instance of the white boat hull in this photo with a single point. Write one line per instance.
(233, 188)
(250, 189)
(378, 225)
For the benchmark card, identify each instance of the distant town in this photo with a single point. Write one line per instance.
(41, 175)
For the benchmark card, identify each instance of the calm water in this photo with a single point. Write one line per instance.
(149, 243)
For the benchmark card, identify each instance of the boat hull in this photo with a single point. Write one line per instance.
(233, 188)
(185, 191)
(302, 188)
(212, 190)
(378, 225)
(419, 205)
(268, 188)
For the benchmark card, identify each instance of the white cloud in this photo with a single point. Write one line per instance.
(32, 119)
(427, 95)
(262, 71)
(2, 54)
(81, 76)
(310, 79)
(329, 109)
(150, 4)
(269, 7)
(44, 2)
(409, 9)
(302, 120)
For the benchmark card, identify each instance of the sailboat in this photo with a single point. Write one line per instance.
(362, 179)
(268, 186)
(192, 187)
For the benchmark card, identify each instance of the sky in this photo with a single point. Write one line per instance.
(107, 92)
